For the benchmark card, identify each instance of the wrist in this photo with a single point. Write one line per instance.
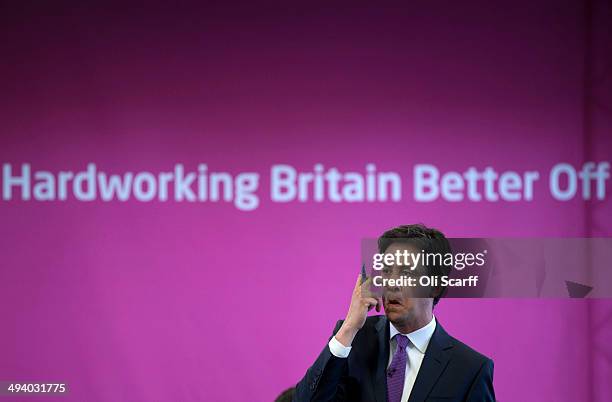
(346, 334)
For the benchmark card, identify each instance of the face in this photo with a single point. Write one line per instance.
(404, 304)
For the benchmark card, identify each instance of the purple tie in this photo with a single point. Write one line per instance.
(397, 370)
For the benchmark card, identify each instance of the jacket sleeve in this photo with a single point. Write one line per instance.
(322, 381)
(481, 389)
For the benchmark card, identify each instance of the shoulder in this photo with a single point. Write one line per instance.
(462, 352)
(467, 353)
(375, 320)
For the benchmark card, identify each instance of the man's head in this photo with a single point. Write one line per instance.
(403, 304)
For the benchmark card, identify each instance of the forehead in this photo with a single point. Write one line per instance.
(402, 246)
(403, 260)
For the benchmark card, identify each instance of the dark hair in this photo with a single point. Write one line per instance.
(428, 239)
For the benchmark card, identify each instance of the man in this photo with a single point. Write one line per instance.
(404, 355)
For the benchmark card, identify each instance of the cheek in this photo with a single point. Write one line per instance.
(409, 304)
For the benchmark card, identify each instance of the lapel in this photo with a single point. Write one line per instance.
(436, 358)
(380, 377)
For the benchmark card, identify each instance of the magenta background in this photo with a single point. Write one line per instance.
(138, 302)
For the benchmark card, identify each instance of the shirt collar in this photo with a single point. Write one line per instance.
(419, 338)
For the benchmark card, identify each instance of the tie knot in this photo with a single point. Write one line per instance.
(402, 341)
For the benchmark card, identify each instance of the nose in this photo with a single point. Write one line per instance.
(395, 274)
(393, 289)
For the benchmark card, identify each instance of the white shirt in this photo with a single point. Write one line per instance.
(419, 340)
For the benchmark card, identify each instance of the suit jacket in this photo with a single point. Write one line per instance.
(450, 372)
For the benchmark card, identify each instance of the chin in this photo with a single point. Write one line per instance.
(391, 316)
(395, 315)
(401, 314)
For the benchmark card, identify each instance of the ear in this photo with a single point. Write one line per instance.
(436, 292)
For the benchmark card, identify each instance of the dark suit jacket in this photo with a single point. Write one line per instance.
(451, 371)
